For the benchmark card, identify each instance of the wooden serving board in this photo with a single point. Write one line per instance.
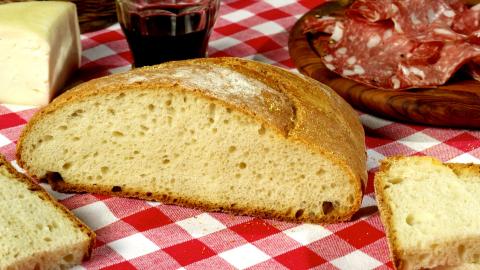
(456, 104)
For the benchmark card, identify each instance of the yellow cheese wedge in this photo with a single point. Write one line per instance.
(39, 50)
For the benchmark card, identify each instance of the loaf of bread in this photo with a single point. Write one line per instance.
(222, 134)
(36, 232)
(430, 212)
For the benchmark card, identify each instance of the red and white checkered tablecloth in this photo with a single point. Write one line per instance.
(136, 234)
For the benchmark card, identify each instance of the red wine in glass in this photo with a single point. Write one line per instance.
(160, 31)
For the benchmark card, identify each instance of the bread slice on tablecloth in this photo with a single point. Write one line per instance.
(221, 134)
(431, 212)
(37, 232)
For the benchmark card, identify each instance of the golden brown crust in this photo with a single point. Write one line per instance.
(34, 187)
(62, 186)
(386, 211)
(299, 109)
(464, 169)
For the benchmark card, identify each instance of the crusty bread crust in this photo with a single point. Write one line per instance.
(464, 168)
(42, 194)
(301, 110)
(386, 214)
(59, 185)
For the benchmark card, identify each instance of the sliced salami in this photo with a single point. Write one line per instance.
(368, 53)
(323, 24)
(452, 57)
(467, 21)
(400, 44)
(474, 38)
(423, 20)
(474, 68)
(372, 11)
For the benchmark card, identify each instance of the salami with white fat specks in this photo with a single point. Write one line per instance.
(401, 44)
(467, 21)
(474, 68)
(372, 11)
(324, 24)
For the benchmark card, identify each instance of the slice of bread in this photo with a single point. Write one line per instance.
(36, 232)
(220, 133)
(430, 212)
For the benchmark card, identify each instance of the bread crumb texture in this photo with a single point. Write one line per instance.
(34, 232)
(430, 211)
(201, 135)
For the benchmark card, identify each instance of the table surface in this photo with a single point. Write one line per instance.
(136, 234)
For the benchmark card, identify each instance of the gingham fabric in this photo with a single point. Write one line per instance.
(136, 234)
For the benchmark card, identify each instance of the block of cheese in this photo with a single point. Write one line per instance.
(39, 50)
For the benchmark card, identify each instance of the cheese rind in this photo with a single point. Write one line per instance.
(39, 50)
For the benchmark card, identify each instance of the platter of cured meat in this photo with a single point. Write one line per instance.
(409, 60)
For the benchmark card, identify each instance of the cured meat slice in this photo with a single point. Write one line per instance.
(419, 19)
(474, 68)
(467, 21)
(380, 57)
(452, 57)
(372, 11)
(361, 55)
(400, 44)
(427, 20)
(323, 24)
(474, 38)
